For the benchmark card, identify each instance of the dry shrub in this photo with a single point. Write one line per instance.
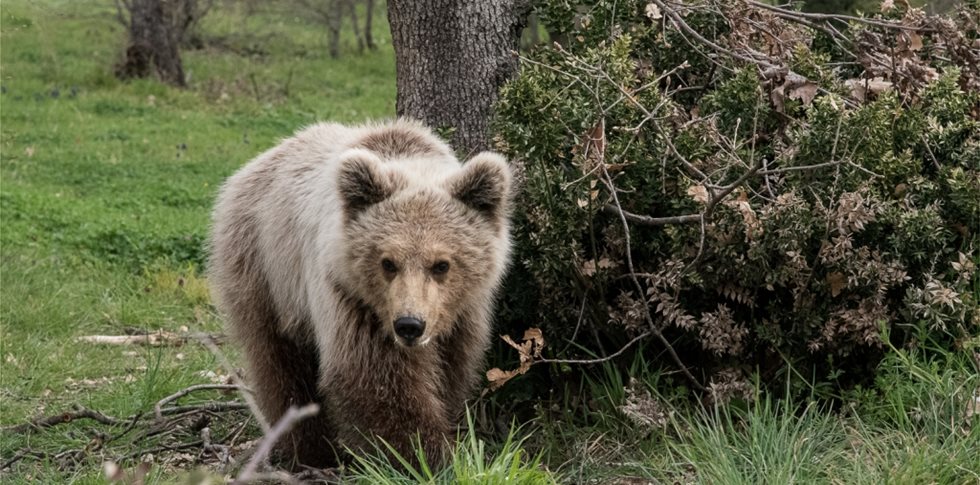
(835, 166)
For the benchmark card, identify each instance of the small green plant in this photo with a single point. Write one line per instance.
(471, 462)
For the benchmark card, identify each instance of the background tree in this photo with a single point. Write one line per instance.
(331, 14)
(156, 30)
(452, 58)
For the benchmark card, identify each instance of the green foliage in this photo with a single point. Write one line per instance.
(862, 216)
(471, 462)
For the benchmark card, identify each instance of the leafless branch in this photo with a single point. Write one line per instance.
(679, 22)
(292, 416)
(80, 412)
(600, 359)
(648, 220)
(188, 390)
(207, 341)
(798, 16)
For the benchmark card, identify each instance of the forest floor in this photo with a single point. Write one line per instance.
(104, 205)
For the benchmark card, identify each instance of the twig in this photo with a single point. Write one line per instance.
(649, 317)
(188, 390)
(600, 359)
(207, 407)
(40, 455)
(158, 449)
(293, 415)
(682, 25)
(648, 220)
(796, 15)
(80, 412)
(208, 342)
(706, 213)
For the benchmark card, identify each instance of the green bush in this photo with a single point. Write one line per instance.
(853, 201)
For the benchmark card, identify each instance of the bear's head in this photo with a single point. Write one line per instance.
(426, 246)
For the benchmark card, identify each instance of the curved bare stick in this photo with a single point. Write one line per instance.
(293, 415)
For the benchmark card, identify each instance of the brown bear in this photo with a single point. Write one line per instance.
(357, 268)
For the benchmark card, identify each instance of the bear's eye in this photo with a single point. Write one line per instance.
(389, 266)
(440, 268)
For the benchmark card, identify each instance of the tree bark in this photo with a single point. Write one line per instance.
(153, 45)
(452, 57)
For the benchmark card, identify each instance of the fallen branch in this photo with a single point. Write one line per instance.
(21, 454)
(153, 339)
(208, 407)
(207, 340)
(80, 412)
(186, 391)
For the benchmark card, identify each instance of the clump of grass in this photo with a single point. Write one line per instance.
(922, 422)
(473, 461)
(187, 283)
(770, 442)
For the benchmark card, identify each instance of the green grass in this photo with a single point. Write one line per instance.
(105, 192)
(472, 462)
(106, 189)
(917, 426)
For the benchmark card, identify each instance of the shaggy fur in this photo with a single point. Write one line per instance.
(298, 241)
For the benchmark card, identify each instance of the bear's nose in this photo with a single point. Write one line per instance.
(409, 328)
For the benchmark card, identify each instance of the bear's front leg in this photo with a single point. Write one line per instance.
(463, 356)
(392, 395)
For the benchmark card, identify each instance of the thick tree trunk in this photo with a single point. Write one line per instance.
(452, 57)
(153, 45)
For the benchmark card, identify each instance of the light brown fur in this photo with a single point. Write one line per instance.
(299, 237)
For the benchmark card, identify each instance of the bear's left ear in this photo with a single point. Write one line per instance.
(484, 185)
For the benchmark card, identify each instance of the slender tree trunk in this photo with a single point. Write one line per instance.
(368, 21)
(355, 24)
(333, 28)
(452, 57)
(153, 45)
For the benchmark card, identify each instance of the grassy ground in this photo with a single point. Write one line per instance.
(106, 190)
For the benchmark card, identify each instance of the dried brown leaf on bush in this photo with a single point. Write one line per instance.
(854, 211)
(592, 146)
(837, 282)
(720, 333)
(740, 203)
(699, 193)
(728, 384)
(589, 267)
(860, 88)
(652, 11)
(529, 350)
(642, 408)
(737, 294)
(796, 87)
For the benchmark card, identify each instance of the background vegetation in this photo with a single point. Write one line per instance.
(107, 186)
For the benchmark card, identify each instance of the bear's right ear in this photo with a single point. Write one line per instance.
(362, 182)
